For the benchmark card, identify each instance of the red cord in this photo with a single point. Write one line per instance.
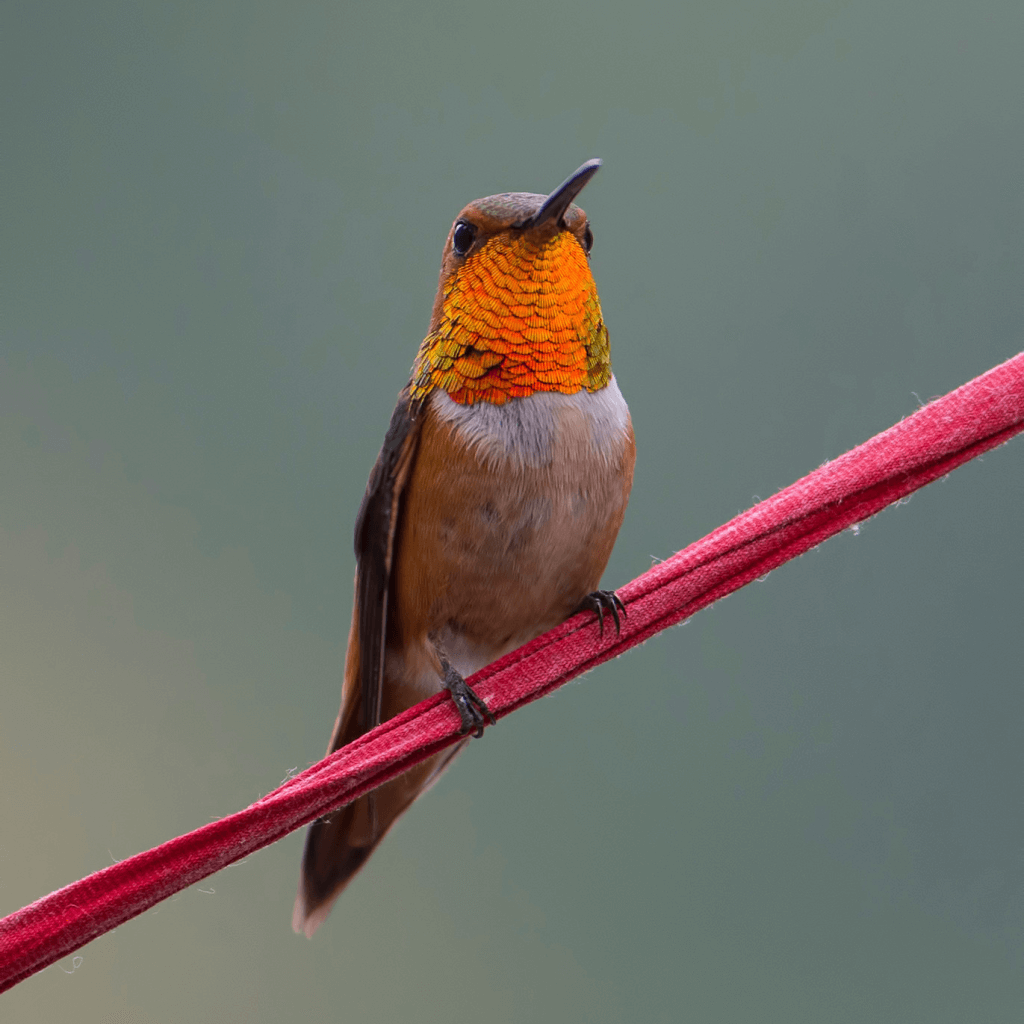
(936, 439)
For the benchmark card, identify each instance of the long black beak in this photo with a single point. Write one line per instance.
(558, 202)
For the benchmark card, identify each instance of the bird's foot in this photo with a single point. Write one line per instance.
(472, 710)
(601, 601)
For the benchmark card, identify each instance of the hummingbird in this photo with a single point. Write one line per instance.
(493, 506)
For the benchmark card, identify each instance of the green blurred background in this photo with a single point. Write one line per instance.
(221, 229)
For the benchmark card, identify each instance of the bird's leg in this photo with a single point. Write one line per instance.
(472, 710)
(601, 601)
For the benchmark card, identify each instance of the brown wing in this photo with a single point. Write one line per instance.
(338, 845)
(376, 524)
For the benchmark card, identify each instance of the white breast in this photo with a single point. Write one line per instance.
(530, 431)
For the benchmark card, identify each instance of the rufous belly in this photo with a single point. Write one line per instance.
(506, 525)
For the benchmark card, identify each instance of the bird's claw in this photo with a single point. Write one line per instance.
(472, 710)
(601, 601)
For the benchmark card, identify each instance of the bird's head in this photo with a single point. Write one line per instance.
(517, 310)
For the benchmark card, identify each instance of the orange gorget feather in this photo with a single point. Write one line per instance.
(518, 317)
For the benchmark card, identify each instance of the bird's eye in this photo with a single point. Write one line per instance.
(588, 239)
(462, 238)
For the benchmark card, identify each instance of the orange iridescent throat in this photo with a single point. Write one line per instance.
(518, 317)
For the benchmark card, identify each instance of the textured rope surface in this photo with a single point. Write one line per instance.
(927, 445)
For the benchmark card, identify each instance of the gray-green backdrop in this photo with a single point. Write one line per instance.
(221, 229)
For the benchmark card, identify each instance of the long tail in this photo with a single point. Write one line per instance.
(338, 844)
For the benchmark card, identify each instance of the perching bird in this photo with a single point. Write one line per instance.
(493, 506)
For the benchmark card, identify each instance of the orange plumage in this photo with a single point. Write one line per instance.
(523, 316)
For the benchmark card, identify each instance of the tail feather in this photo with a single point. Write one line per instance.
(338, 845)
(329, 861)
